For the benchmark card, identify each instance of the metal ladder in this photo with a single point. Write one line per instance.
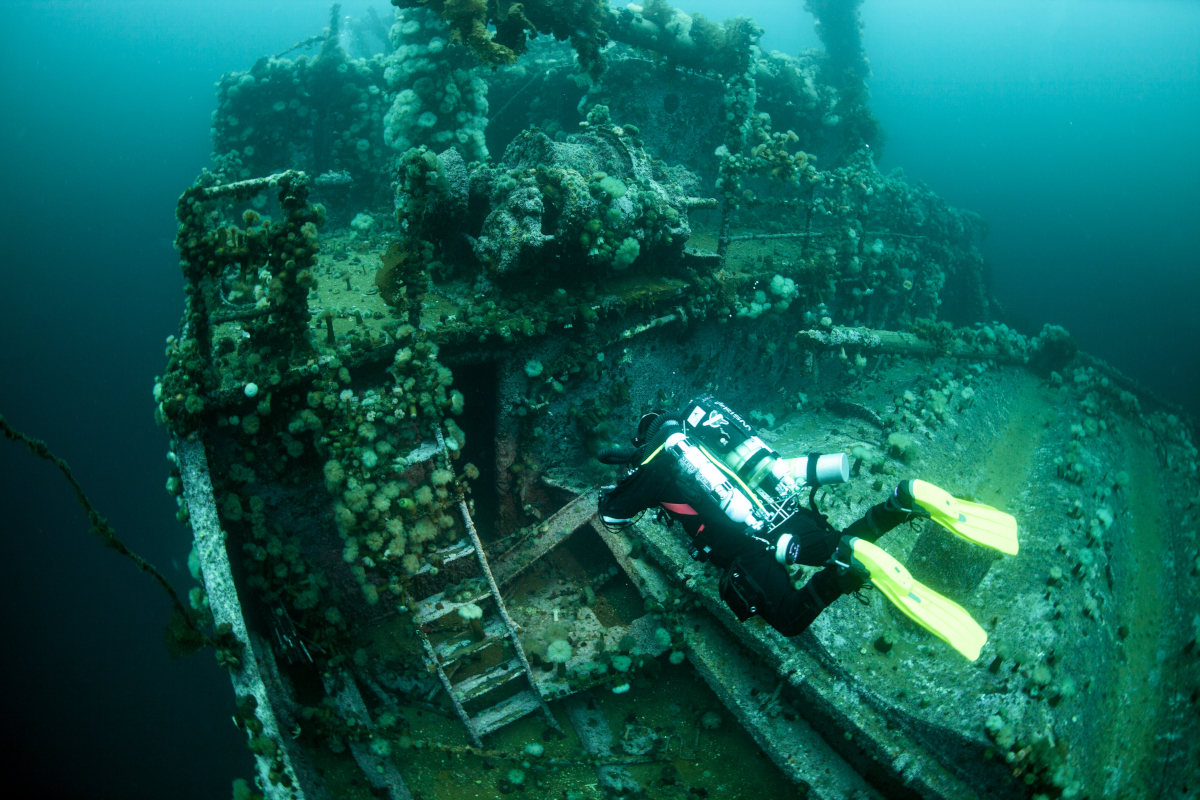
(440, 657)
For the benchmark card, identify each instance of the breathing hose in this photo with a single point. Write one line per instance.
(614, 456)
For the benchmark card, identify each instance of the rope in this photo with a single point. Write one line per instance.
(100, 526)
(504, 108)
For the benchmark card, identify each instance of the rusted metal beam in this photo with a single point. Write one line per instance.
(558, 528)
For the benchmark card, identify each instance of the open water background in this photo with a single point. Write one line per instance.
(1071, 126)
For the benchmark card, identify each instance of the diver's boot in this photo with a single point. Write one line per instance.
(903, 501)
(880, 518)
(852, 574)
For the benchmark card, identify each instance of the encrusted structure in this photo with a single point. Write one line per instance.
(398, 358)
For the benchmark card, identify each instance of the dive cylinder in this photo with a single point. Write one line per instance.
(694, 464)
(750, 482)
(726, 436)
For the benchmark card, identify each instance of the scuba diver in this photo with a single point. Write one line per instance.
(740, 502)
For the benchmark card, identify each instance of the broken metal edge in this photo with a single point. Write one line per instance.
(796, 748)
(898, 749)
(217, 577)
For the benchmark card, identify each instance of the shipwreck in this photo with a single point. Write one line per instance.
(442, 261)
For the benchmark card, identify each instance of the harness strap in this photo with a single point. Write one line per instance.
(811, 477)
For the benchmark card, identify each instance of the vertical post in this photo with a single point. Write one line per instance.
(723, 235)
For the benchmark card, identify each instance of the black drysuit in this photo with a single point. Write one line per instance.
(754, 582)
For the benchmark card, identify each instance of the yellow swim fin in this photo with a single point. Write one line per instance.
(974, 522)
(939, 615)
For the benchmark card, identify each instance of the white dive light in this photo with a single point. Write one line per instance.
(831, 468)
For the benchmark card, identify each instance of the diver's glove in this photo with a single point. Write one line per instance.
(851, 574)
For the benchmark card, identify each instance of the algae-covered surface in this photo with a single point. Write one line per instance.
(404, 345)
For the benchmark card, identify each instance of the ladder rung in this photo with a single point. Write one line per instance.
(460, 645)
(512, 709)
(428, 611)
(484, 682)
(524, 700)
(460, 549)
